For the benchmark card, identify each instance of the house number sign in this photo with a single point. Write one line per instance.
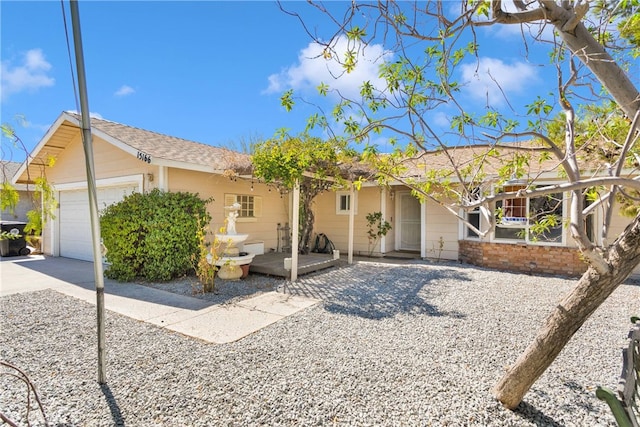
(144, 157)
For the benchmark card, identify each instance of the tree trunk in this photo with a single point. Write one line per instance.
(569, 315)
(307, 194)
(307, 229)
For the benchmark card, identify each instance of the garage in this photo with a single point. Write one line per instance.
(75, 222)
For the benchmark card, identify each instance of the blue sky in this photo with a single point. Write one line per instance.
(207, 71)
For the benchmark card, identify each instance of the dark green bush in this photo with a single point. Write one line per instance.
(152, 236)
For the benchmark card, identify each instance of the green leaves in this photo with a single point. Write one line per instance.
(287, 100)
(350, 60)
(539, 106)
(9, 197)
(154, 235)
(459, 122)
(482, 7)
(376, 228)
(356, 33)
(286, 159)
(323, 89)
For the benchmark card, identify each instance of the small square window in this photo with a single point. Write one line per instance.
(343, 203)
(250, 206)
(246, 203)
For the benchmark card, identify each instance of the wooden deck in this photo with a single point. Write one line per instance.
(272, 264)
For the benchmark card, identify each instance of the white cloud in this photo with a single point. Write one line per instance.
(124, 91)
(441, 119)
(490, 80)
(313, 68)
(529, 31)
(29, 75)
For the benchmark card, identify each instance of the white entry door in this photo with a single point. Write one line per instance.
(75, 222)
(408, 233)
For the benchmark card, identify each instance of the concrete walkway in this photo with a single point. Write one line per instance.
(190, 316)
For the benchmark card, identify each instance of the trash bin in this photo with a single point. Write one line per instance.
(14, 247)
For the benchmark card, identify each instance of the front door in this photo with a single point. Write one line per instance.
(408, 233)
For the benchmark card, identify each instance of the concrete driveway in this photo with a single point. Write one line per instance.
(187, 315)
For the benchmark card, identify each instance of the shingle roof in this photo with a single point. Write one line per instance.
(172, 148)
(470, 156)
(8, 170)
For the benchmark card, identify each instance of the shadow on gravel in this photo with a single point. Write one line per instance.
(373, 291)
(534, 415)
(116, 414)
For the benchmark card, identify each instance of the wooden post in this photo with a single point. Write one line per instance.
(352, 210)
(296, 228)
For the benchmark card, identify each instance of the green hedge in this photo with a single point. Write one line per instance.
(152, 236)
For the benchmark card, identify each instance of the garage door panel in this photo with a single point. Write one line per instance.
(75, 221)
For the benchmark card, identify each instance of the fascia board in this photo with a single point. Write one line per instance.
(184, 165)
(47, 136)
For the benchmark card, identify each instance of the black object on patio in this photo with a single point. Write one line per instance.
(16, 246)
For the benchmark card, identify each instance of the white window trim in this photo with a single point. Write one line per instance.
(245, 218)
(353, 204)
(463, 230)
(105, 182)
(526, 240)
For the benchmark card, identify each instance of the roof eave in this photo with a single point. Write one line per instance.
(43, 141)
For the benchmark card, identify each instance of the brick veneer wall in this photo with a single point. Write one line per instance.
(520, 257)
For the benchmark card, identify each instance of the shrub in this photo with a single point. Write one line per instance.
(154, 235)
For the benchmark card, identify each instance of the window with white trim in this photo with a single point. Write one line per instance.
(473, 218)
(250, 206)
(543, 222)
(343, 202)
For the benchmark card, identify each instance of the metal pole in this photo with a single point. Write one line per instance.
(91, 187)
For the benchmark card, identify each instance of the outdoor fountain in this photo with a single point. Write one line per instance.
(231, 260)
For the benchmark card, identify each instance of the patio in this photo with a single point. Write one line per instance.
(272, 263)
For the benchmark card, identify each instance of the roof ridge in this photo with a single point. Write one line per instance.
(156, 133)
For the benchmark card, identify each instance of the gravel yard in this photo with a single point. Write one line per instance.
(399, 345)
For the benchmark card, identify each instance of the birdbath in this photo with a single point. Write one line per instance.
(231, 259)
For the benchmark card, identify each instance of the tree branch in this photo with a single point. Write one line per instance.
(548, 189)
(502, 17)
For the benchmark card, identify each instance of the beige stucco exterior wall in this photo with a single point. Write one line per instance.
(618, 224)
(109, 162)
(440, 224)
(336, 226)
(274, 207)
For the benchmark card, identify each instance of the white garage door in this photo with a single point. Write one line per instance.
(75, 222)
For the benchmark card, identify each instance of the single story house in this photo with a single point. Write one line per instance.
(129, 159)
(433, 231)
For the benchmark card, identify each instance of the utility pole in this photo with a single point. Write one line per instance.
(91, 187)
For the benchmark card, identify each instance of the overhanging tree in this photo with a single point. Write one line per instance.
(595, 149)
(316, 164)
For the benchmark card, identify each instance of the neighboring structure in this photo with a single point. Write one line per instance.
(25, 193)
(129, 159)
